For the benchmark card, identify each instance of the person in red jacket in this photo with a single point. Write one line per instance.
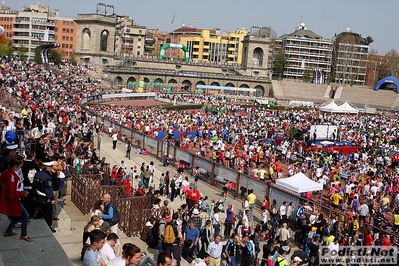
(11, 190)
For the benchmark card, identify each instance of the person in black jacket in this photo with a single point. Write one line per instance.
(301, 254)
(267, 248)
(29, 169)
(43, 188)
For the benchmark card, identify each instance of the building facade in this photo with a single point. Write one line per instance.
(129, 38)
(350, 58)
(95, 39)
(35, 26)
(306, 51)
(214, 47)
(65, 35)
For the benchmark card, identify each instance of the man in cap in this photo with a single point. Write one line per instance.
(43, 189)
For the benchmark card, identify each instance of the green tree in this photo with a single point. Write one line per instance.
(38, 57)
(392, 62)
(22, 51)
(280, 64)
(330, 78)
(306, 75)
(72, 58)
(56, 55)
(6, 49)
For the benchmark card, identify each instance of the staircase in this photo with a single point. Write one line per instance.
(278, 89)
(338, 93)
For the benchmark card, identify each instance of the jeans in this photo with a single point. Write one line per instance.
(175, 250)
(217, 230)
(23, 219)
(251, 211)
(114, 144)
(146, 260)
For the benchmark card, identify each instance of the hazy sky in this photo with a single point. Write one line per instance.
(325, 17)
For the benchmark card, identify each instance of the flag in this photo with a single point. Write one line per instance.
(46, 35)
(173, 19)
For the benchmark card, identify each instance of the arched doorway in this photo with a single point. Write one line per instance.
(187, 85)
(215, 83)
(86, 37)
(158, 80)
(118, 81)
(260, 91)
(130, 83)
(199, 83)
(257, 57)
(104, 40)
(244, 86)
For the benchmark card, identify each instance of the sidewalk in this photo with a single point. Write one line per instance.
(72, 221)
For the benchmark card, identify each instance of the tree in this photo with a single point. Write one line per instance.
(281, 63)
(22, 51)
(72, 58)
(38, 57)
(56, 55)
(330, 78)
(306, 75)
(392, 62)
(6, 49)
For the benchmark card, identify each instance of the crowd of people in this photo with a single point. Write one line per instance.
(361, 185)
(54, 132)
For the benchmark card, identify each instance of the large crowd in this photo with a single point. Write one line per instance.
(53, 138)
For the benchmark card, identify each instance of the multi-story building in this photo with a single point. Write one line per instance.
(129, 38)
(350, 58)
(33, 26)
(36, 25)
(306, 51)
(65, 34)
(154, 40)
(7, 17)
(214, 47)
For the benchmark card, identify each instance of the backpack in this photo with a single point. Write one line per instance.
(152, 236)
(169, 236)
(203, 234)
(275, 210)
(173, 183)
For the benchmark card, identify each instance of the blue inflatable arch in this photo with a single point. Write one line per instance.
(388, 80)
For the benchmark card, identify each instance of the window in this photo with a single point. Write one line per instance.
(71, 46)
(71, 38)
(71, 30)
(63, 45)
(67, 30)
(63, 38)
(67, 38)
(104, 40)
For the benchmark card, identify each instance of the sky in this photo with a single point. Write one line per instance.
(324, 17)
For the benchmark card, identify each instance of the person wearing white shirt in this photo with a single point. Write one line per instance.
(114, 140)
(215, 249)
(107, 252)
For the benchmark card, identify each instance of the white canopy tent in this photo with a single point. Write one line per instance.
(332, 107)
(299, 183)
(348, 108)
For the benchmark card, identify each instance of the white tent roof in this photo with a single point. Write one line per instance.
(332, 107)
(348, 108)
(299, 183)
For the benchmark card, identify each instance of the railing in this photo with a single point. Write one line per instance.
(134, 211)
